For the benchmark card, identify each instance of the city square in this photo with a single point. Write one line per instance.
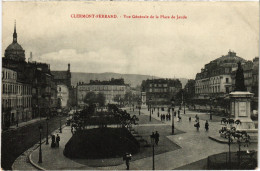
(101, 91)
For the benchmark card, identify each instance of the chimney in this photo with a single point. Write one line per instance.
(69, 67)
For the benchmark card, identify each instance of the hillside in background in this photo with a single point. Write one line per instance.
(133, 79)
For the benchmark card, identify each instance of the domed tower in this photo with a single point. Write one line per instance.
(15, 51)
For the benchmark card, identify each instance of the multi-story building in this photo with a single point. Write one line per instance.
(215, 79)
(158, 92)
(110, 89)
(16, 98)
(64, 89)
(255, 76)
(33, 81)
(190, 88)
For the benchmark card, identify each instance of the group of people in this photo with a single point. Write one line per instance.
(55, 141)
(156, 137)
(197, 124)
(167, 117)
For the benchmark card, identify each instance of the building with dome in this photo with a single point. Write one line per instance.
(215, 79)
(15, 51)
(29, 89)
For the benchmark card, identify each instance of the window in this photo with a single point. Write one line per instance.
(227, 89)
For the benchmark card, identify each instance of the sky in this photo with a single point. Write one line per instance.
(150, 46)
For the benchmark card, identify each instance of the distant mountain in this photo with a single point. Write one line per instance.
(132, 79)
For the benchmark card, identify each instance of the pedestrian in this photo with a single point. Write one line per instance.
(189, 119)
(179, 112)
(58, 140)
(127, 157)
(198, 126)
(161, 117)
(197, 118)
(207, 125)
(156, 136)
(179, 118)
(53, 141)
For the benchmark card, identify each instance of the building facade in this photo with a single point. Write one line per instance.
(110, 89)
(64, 89)
(26, 86)
(16, 98)
(159, 92)
(215, 79)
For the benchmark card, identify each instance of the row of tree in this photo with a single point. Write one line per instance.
(93, 98)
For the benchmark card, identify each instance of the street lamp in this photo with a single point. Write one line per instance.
(59, 111)
(152, 142)
(172, 101)
(47, 132)
(150, 101)
(210, 114)
(40, 150)
(139, 105)
(183, 99)
(60, 124)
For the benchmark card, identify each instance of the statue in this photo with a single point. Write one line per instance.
(240, 83)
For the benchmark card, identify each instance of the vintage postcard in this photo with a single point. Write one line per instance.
(105, 85)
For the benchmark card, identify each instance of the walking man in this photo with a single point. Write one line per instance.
(156, 136)
(127, 158)
(58, 140)
(52, 141)
(207, 125)
(198, 126)
(189, 119)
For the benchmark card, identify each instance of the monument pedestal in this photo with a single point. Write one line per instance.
(241, 110)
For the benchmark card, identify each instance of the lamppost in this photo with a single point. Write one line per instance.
(60, 124)
(139, 105)
(210, 114)
(183, 101)
(17, 119)
(153, 142)
(172, 101)
(150, 101)
(40, 150)
(59, 111)
(47, 132)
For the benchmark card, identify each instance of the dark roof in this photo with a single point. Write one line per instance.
(14, 46)
(58, 75)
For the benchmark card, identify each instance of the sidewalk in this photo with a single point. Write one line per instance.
(195, 145)
(22, 124)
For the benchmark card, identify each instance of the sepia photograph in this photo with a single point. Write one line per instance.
(119, 85)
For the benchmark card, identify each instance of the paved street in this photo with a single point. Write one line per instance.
(23, 138)
(195, 145)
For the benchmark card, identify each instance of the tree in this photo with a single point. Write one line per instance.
(100, 99)
(117, 98)
(90, 98)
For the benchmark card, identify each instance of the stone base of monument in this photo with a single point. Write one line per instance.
(245, 126)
